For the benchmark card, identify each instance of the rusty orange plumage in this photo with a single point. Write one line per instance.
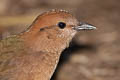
(34, 54)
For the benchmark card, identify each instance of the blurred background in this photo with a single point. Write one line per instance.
(92, 55)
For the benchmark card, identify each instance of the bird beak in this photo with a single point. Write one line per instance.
(84, 26)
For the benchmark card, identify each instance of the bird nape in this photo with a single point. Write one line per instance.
(34, 54)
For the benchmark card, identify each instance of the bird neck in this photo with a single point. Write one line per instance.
(49, 49)
(45, 43)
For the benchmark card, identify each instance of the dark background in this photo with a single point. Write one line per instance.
(92, 55)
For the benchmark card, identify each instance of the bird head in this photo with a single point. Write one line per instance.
(55, 27)
(59, 23)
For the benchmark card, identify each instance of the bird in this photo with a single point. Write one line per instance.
(34, 53)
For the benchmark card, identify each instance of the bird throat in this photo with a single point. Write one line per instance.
(49, 50)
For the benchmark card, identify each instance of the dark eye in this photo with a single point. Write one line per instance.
(62, 25)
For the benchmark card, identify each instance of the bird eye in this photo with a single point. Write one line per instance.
(62, 25)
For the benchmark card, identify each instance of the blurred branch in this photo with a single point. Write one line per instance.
(15, 20)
